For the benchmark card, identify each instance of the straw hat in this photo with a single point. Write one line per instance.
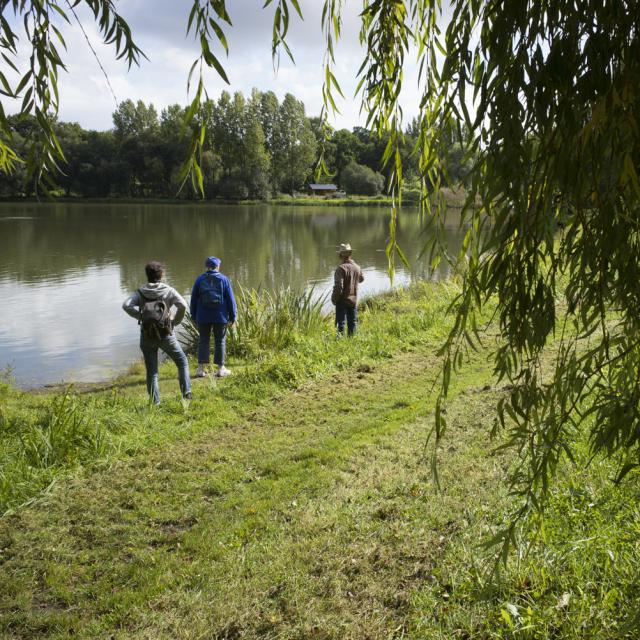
(345, 249)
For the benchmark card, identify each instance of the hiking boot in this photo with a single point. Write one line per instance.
(223, 372)
(200, 372)
(188, 396)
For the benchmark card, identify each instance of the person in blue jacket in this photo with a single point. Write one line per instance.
(213, 308)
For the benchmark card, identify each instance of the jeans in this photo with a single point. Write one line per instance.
(348, 315)
(220, 342)
(170, 345)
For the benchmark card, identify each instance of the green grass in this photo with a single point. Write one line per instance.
(294, 500)
(347, 201)
(410, 198)
(267, 320)
(281, 340)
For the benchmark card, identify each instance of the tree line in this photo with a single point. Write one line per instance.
(254, 148)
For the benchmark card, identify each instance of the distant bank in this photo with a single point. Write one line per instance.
(454, 199)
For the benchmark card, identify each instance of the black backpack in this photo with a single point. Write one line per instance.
(155, 320)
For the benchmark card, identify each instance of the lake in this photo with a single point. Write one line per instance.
(65, 269)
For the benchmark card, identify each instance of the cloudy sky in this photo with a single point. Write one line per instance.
(159, 27)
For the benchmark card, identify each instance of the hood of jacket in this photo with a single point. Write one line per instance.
(155, 290)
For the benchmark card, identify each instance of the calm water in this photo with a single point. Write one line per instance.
(66, 268)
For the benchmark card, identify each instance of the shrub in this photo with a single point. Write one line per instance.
(233, 188)
(362, 180)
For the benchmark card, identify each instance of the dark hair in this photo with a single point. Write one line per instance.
(154, 271)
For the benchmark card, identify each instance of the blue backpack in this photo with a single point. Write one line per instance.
(212, 292)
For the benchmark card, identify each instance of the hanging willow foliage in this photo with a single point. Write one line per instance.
(549, 95)
(544, 96)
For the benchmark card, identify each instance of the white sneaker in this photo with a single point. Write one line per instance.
(200, 372)
(223, 372)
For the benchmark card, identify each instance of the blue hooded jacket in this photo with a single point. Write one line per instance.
(224, 314)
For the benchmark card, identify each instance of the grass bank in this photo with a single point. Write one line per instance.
(280, 342)
(411, 198)
(293, 501)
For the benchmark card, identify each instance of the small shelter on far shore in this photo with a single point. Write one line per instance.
(322, 189)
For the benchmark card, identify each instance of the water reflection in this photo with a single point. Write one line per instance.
(65, 268)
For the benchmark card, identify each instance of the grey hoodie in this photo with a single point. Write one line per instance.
(156, 291)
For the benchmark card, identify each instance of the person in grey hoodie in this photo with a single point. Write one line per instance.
(155, 289)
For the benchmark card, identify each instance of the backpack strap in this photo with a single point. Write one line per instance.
(141, 304)
(205, 277)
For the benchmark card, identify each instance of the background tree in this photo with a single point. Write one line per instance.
(347, 150)
(136, 129)
(360, 179)
(256, 163)
(172, 146)
(143, 155)
(324, 134)
(296, 152)
(268, 116)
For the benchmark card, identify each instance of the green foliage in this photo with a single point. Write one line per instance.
(552, 214)
(246, 154)
(267, 321)
(357, 178)
(36, 445)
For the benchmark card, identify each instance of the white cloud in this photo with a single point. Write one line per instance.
(159, 28)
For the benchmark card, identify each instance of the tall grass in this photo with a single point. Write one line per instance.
(35, 445)
(65, 433)
(266, 320)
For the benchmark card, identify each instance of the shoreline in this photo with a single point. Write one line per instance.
(94, 421)
(454, 200)
(135, 367)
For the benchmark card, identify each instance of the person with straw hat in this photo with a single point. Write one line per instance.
(347, 277)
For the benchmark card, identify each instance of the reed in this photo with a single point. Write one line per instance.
(266, 320)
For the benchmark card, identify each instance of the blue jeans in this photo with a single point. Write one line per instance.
(348, 315)
(172, 348)
(220, 342)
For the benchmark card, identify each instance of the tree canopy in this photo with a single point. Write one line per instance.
(543, 97)
(141, 156)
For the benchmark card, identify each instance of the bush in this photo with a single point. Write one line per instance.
(233, 188)
(362, 180)
(257, 185)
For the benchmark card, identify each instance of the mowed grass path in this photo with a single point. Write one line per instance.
(314, 517)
